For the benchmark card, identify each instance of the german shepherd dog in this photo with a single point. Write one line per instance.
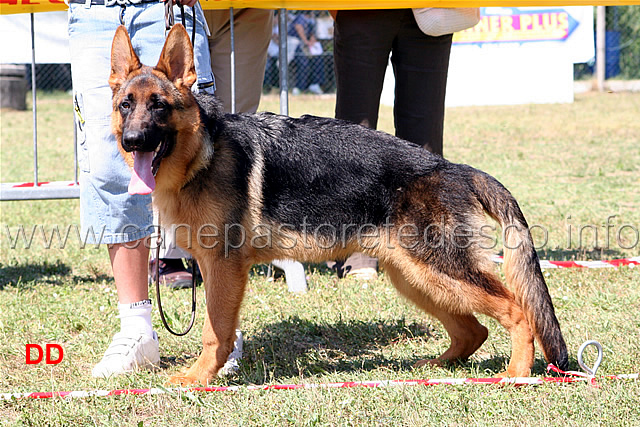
(250, 188)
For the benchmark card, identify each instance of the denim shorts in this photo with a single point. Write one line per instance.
(108, 214)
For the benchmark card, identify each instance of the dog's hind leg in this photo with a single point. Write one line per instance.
(509, 314)
(466, 334)
(480, 290)
(453, 302)
(225, 282)
(464, 330)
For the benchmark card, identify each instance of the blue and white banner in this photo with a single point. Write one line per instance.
(567, 28)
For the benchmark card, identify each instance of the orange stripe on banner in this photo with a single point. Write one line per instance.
(32, 6)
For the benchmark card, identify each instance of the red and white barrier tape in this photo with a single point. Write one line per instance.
(43, 184)
(569, 377)
(613, 263)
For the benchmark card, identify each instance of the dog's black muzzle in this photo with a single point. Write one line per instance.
(135, 140)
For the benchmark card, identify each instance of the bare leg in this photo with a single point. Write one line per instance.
(136, 345)
(129, 262)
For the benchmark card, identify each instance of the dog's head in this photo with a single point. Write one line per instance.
(149, 103)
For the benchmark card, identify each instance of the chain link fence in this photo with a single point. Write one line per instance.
(310, 54)
(51, 77)
(622, 46)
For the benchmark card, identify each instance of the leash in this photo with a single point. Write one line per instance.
(159, 300)
(169, 21)
(169, 18)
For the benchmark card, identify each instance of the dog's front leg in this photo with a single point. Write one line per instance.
(225, 281)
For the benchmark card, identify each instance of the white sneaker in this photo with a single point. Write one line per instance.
(128, 352)
(315, 88)
(231, 366)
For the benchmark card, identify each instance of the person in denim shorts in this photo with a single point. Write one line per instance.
(108, 213)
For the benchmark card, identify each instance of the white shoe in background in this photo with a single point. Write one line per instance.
(315, 88)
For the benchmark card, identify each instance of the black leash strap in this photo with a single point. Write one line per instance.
(158, 299)
(169, 21)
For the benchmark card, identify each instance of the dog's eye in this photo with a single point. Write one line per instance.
(125, 105)
(158, 105)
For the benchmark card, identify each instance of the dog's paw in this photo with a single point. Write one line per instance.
(429, 362)
(516, 374)
(183, 380)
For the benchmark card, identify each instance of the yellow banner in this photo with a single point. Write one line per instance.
(32, 6)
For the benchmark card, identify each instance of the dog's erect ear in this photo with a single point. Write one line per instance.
(123, 59)
(176, 59)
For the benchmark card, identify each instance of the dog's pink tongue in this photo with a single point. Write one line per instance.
(142, 180)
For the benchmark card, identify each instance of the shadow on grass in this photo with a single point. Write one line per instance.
(298, 347)
(184, 360)
(32, 274)
(497, 364)
(301, 347)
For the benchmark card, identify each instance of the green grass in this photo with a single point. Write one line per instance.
(571, 164)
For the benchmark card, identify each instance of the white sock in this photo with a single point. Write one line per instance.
(136, 316)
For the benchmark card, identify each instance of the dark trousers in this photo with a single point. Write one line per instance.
(363, 40)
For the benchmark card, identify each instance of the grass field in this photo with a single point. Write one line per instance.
(575, 170)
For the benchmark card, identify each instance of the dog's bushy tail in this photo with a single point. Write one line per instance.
(522, 267)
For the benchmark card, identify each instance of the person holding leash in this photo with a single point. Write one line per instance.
(108, 213)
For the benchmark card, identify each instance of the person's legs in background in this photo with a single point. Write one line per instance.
(107, 212)
(316, 74)
(362, 44)
(363, 40)
(271, 74)
(420, 64)
(252, 32)
(170, 264)
(299, 72)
